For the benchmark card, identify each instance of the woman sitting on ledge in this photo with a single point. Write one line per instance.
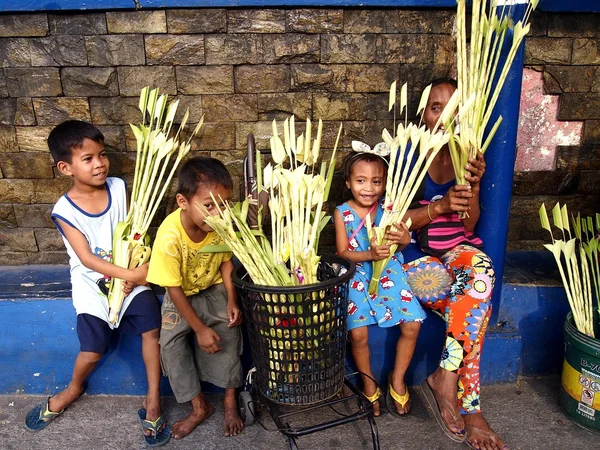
(457, 285)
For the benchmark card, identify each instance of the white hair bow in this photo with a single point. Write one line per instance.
(380, 149)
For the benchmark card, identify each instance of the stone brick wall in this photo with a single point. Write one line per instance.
(241, 69)
(566, 49)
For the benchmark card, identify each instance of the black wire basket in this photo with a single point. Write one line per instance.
(298, 334)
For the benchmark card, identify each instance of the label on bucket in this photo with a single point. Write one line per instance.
(584, 387)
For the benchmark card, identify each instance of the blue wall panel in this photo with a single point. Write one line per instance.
(38, 345)
(65, 5)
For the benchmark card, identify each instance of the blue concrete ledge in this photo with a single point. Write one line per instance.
(38, 340)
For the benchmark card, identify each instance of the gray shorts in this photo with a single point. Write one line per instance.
(181, 358)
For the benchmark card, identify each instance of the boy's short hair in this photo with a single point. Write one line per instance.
(202, 171)
(355, 157)
(445, 80)
(69, 135)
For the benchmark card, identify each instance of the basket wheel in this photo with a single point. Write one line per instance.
(247, 408)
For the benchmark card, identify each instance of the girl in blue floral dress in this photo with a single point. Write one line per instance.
(365, 175)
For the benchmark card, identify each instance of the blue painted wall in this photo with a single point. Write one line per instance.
(51, 5)
(38, 340)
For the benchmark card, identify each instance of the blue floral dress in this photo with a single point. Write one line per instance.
(394, 304)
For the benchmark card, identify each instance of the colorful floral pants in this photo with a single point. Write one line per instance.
(458, 286)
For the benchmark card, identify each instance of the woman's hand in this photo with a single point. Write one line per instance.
(455, 200)
(475, 169)
(378, 252)
(398, 234)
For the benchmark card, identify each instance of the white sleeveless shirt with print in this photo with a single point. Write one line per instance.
(98, 230)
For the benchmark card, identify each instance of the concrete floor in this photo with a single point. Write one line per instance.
(526, 414)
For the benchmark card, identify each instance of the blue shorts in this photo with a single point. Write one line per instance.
(142, 315)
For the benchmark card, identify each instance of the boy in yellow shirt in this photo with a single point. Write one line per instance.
(200, 298)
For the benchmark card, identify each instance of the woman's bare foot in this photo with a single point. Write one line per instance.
(480, 435)
(232, 423)
(64, 398)
(444, 386)
(201, 411)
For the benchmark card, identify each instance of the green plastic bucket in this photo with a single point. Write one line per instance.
(580, 382)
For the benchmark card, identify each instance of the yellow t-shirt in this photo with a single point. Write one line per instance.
(177, 261)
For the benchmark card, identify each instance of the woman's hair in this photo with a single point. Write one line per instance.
(202, 171)
(355, 157)
(69, 135)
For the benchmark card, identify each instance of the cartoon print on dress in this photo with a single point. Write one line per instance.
(352, 244)
(371, 308)
(347, 216)
(352, 308)
(387, 315)
(358, 285)
(386, 282)
(406, 295)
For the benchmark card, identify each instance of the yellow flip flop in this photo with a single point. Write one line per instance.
(373, 398)
(392, 396)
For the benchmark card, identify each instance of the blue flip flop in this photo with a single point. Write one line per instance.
(158, 438)
(40, 416)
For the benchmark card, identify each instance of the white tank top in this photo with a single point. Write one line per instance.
(98, 230)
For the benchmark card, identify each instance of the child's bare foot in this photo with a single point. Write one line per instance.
(202, 411)
(232, 423)
(64, 398)
(373, 393)
(399, 394)
(152, 406)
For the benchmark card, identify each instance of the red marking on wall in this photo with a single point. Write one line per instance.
(539, 131)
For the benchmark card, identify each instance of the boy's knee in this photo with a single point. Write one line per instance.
(90, 357)
(359, 337)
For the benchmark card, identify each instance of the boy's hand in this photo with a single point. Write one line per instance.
(234, 314)
(128, 287)
(398, 234)
(379, 252)
(139, 274)
(208, 340)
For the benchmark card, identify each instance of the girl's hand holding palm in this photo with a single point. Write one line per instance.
(378, 252)
(398, 234)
